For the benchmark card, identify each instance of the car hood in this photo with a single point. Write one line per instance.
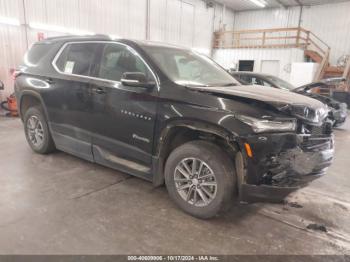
(297, 105)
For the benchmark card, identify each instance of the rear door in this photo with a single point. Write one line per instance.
(70, 100)
(123, 116)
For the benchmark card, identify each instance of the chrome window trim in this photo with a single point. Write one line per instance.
(132, 50)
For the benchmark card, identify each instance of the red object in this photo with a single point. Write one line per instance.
(14, 73)
(12, 105)
(41, 36)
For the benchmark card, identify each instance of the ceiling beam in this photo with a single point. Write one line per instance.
(299, 2)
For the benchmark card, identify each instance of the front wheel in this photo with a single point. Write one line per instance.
(200, 178)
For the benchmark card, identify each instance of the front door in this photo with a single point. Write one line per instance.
(124, 117)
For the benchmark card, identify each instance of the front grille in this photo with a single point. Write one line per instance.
(313, 144)
(325, 129)
(317, 130)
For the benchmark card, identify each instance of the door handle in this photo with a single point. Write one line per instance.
(99, 90)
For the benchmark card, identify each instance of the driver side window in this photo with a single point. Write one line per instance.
(117, 60)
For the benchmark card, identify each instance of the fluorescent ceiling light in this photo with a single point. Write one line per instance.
(9, 21)
(59, 29)
(260, 3)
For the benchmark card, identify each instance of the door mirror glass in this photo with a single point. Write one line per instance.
(1, 85)
(136, 79)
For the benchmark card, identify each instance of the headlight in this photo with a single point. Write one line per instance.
(315, 116)
(264, 125)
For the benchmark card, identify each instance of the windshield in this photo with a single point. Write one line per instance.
(185, 67)
(280, 83)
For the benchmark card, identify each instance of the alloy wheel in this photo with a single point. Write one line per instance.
(195, 182)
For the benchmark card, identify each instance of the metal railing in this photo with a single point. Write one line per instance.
(297, 37)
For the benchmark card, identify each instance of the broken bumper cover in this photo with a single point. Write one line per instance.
(282, 163)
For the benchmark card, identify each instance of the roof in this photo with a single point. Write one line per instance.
(77, 38)
(101, 37)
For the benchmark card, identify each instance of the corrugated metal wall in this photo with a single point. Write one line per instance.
(223, 18)
(185, 22)
(267, 18)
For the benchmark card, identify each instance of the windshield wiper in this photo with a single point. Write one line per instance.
(229, 84)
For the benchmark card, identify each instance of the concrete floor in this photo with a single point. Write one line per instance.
(59, 204)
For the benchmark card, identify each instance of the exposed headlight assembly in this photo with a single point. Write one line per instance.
(315, 116)
(264, 125)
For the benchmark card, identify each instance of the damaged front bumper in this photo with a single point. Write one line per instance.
(282, 163)
(339, 115)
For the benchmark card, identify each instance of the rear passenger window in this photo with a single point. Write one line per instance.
(116, 60)
(77, 59)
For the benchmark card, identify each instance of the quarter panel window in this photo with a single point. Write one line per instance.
(118, 59)
(77, 59)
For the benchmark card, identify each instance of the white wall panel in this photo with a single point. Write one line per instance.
(223, 18)
(158, 19)
(267, 18)
(187, 24)
(12, 48)
(125, 18)
(12, 43)
(10, 8)
(203, 27)
(183, 22)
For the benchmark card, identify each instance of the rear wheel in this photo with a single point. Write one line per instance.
(200, 178)
(37, 131)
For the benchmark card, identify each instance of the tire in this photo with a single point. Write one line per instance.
(46, 144)
(214, 160)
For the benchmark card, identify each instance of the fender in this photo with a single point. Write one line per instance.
(158, 159)
(34, 94)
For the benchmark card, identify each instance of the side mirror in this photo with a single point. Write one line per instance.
(1, 85)
(136, 79)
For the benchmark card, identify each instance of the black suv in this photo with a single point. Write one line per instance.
(168, 114)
